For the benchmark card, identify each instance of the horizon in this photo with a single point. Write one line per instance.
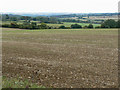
(49, 13)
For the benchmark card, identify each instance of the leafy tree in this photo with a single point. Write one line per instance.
(7, 16)
(5, 25)
(90, 26)
(34, 25)
(53, 19)
(43, 26)
(98, 27)
(62, 27)
(76, 26)
(26, 18)
(110, 23)
(118, 24)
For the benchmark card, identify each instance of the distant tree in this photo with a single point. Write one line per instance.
(60, 22)
(26, 23)
(76, 26)
(34, 25)
(43, 26)
(13, 18)
(103, 25)
(90, 26)
(118, 24)
(98, 27)
(85, 26)
(7, 16)
(26, 18)
(5, 25)
(14, 25)
(110, 23)
(53, 20)
(62, 27)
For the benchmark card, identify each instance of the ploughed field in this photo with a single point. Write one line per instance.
(78, 58)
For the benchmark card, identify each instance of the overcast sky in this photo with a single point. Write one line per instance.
(70, 6)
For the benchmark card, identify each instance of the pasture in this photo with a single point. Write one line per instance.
(75, 58)
(68, 24)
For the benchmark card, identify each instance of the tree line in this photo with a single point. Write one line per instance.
(110, 23)
(27, 24)
(33, 25)
(85, 15)
(41, 19)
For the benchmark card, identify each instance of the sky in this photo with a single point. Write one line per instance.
(59, 6)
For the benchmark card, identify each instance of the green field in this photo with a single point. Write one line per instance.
(62, 58)
(68, 24)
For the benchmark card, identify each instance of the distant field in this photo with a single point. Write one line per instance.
(67, 24)
(115, 17)
(60, 58)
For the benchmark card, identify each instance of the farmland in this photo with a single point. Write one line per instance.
(67, 24)
(70, 58)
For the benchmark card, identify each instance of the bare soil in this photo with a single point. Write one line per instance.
(62, 58)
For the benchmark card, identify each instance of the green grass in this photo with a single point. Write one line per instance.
(0, 82)
(17, 83)
(68, 24)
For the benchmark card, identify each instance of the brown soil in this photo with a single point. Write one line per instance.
(64, 59)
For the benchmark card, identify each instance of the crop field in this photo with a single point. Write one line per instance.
(70, 58)
(115, 17)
